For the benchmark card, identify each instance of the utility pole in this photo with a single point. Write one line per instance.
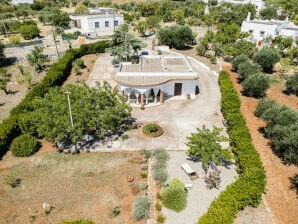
(53, 32)
(69, 106)
(4, 25)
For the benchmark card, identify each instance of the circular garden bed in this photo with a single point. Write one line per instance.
(152, 130)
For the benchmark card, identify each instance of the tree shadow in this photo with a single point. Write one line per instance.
(185, 48)
(294, 184)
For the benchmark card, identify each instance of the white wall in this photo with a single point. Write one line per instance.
(16, 2)
(270, 30)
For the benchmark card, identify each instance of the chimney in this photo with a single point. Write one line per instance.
(248, 17)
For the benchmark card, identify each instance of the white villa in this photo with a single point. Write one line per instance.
(261, 29)
(156, 78)
(17, 2)
(98, 22)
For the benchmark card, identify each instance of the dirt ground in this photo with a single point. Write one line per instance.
(282, 201)
(17, 88)
(89, 61)
(88, 185)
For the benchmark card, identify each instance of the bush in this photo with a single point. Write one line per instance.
(161, 219)
(24, 145)
(248, 68)
(161, 154)
(79, 63)
(158, 207)
(239, 60)
(174, 196)
(141, 208)
(292, 84)
(152, 130)
(213, 179)
(146, 153)
(29, 31)
(144, 175)
(116, 211)
(144, 167)
(263, 105)
(143, 186)
(160, 176)
(256, 85)
(201, 50)
(267, 58)
(81, 221)
(55, 76)
(11, 180)
(248, 188)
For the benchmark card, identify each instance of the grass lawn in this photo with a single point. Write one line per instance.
(88, 185)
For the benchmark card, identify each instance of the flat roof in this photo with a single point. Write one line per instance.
(155, 70)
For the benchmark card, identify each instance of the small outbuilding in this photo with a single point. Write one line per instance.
(189, 171)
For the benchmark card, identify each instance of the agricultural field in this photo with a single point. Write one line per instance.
(86, 186)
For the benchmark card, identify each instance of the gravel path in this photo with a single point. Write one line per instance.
(199, 197)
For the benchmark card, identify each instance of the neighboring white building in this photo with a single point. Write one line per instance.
(17, 2)
(258, 3)
(98, 22)
(261, 29)
(156, 78)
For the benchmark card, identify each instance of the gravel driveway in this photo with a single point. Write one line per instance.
(199, 197)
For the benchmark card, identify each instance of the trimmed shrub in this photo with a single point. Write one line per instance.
(152, 130)
(161, 219)
(256, 85)
(239, 60)
(248, 68)
(29, 31)
(24, 145)
(141, 208)
(161, 154)
(174, 196)
(248, 188)
(55, 76)
(201, 50)
(160, 176)
(292, 84)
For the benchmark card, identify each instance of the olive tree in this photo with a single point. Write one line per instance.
(256, 85)
(267, 58)
(292, 84)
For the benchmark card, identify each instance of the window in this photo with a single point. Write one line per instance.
(115, 23)
(262, 33)
(250, 31)
(106, 23)
(96, 24)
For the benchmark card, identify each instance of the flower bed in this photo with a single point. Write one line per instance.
(152, 130)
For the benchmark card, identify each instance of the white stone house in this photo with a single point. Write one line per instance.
(17, 2)
(259, 30)
(156, 78)
(98, 22)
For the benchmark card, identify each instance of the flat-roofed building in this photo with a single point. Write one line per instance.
(98, 22)
(156, 78)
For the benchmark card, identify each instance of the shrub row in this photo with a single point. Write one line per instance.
(281, 128)
(160, 174)
(55, 76)
(248, 188)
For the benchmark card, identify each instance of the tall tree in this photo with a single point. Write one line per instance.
(205, 145)
(95, 111)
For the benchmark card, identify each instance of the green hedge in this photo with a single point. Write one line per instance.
(248, 188)
(55, 76)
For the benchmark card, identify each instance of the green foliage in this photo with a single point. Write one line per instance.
(176, 36)
(81, 221)
(161, 154)
(201, 50)
(269, 12)
(143, 186)
(116, 211)
(24, 145)
(144, 175)
(152, 130)
(205, 145)
(227, 33)
(56, 75)
(281, 128)
(267, 58)
(248, 188)
(146, 153)
(158, 207)
(160, 174)
(284, 43)
(161, 219)
(29, 31)
(81, 8)
(141, 208)
(12, 181)
(240, 47)
(292, 84)
(213, 179)
(37, 59)
(2, 55)
(239, 60)
(174, 196)
(256, 85)
(4, 79)
(247, 69)
(15, 39)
